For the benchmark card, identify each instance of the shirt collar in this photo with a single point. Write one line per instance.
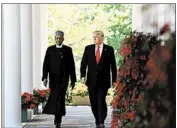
(57, 46)
(101, 45)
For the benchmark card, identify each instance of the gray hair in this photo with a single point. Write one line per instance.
(99, 33)
(58, 32)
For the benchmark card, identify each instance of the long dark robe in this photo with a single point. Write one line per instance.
(59, 64)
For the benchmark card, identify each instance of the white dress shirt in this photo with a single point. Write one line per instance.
(101, 49)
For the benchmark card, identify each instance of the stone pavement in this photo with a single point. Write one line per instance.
(76, 117)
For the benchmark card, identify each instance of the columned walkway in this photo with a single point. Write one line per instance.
(76, 117)
(24, 42)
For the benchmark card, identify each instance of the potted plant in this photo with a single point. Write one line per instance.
(44, 95)
(41, 96)
(38, 101)
(28, 101)
(80, 95)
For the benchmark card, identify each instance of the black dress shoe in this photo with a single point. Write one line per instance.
(101, 126)
(57, 126)
(97, 126)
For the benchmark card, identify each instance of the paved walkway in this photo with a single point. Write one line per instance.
(76, 117)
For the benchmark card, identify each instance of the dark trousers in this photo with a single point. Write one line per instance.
(98, 103)
(58, 119)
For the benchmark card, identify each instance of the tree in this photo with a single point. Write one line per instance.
(78, 21)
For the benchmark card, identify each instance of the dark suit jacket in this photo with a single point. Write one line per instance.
(59, 62)
(99, 74)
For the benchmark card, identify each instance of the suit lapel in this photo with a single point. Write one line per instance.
(93, 54)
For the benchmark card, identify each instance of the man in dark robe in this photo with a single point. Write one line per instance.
(99, 62)
(59, 64)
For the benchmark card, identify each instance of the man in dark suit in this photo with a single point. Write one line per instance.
(100, 60)
(59, 64)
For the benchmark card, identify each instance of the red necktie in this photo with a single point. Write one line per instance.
(98, 54)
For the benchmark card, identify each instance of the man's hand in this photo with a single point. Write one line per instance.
(115, 83)
(83, 80)
(45, 82)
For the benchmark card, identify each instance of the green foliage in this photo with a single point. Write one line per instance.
(119, 27)
(78, 21)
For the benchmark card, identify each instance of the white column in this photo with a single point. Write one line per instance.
(37, 68)
(44, 30)
(40, 40)
(11, 70)
(26, 50)
(150, 19)
(137, 23)
(172, 17)
(166, 14)
(154, 20)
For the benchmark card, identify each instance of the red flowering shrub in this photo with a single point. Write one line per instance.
(158, 105)
(41, 95)
(28, 101)
(145, 90)
(131, 75)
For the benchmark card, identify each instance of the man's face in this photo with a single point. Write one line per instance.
(98, 39)
(59, 39)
